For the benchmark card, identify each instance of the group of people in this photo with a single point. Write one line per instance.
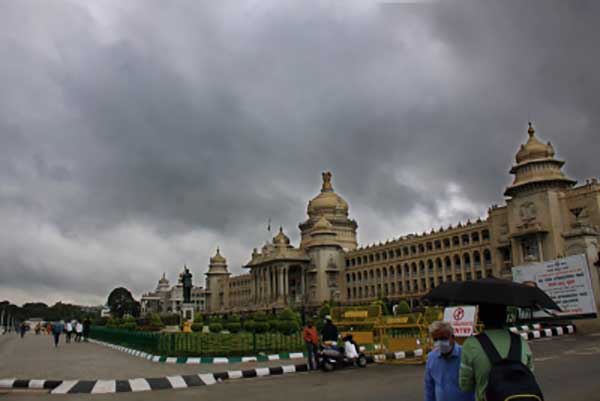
(329, 336)
(493, 365)
(75, 328)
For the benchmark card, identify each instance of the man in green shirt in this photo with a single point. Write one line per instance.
(475, 365)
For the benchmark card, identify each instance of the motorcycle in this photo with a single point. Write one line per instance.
(331, 357)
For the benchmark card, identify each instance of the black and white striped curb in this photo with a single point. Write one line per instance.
(202, 360)
(146, 384)
(400, 355)
(548, 332)
(526, 328)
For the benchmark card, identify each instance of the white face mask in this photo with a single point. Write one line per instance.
(444, 346)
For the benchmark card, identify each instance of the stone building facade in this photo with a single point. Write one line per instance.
(545, 215)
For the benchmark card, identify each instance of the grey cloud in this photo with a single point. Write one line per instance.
(197, 121)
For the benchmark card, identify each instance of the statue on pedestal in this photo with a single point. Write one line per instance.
(186, 281)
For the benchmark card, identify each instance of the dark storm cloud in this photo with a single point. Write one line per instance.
(138, 136)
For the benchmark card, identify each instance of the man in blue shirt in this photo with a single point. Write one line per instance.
(443, 365)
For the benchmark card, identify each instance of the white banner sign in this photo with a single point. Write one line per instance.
(462, 319)
(567, 281)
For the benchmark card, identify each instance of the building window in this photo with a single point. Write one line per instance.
(487, 257)
(438, 244)
(485, 234)
(455, 241)
(530, 248)
(446, 242)
(429, 246)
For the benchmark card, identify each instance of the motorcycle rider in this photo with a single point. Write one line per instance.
(350, 349)
(329, 332)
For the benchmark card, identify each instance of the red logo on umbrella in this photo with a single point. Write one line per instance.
(459, 313)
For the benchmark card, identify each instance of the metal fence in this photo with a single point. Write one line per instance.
(201, 344)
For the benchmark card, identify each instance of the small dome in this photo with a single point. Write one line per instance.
(534, 148)
(163, 280)
(218, 259)
(327, 201)
(281, 238)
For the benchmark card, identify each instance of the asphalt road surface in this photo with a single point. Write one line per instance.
(567, 368)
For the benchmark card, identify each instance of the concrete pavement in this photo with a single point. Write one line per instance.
(35, 357)
(567, 369)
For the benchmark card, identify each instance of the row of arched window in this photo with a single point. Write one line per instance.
(406, 251)
(408, 287)
(424, 268)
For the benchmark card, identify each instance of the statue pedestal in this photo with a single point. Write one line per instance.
(187, 312)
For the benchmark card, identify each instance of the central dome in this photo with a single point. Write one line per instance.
(534, 149)
(327, 202)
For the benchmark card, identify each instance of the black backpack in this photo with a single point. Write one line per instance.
(509, 379)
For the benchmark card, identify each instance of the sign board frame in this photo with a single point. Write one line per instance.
(455, 315)
(566, 280)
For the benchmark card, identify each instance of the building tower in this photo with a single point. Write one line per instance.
(535, 199)
(326, 235)
(217, 284)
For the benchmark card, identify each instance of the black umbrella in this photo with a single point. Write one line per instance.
(491, 290)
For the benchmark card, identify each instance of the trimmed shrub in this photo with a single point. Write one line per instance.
(128, 326)
(233, 327)
(197, 327)
(249, 325)
(288, 327)
(403, 308)
(155, 320)
(215, 327)
(171, 320)
(198, 318)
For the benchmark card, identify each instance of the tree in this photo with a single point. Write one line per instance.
(121, 302)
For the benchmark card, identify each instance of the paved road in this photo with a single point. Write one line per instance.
(567, 368)
(34, 357)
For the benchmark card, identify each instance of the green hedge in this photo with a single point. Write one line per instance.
(201, 344)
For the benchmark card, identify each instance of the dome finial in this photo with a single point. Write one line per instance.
(327, 187)
(530, 131)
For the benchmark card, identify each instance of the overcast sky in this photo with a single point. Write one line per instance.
(137, 136)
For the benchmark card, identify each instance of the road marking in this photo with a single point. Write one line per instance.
(36, 383)
(139, 385)
(64, 387)
(207, 378)
(177, 381)
(105, 387)
(234, 374)
(6, 383)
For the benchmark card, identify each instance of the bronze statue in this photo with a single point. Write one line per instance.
(186, 280)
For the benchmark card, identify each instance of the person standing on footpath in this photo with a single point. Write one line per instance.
(23, 329)
(78, 331)
(86, 329)
(57, 329)
(443, 366)
(311, 338)
(480, 356)
(69, 331)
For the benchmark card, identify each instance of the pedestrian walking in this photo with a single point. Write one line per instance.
(311, 339)
(86, 329)
(69, 331)
(443, 366)
(57, 329)
(78, 331)
(498, 364)
(23, 329)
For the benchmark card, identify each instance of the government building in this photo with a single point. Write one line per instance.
(545, 216)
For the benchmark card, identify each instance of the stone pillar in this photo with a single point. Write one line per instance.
(280, 294)
(303, 283)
